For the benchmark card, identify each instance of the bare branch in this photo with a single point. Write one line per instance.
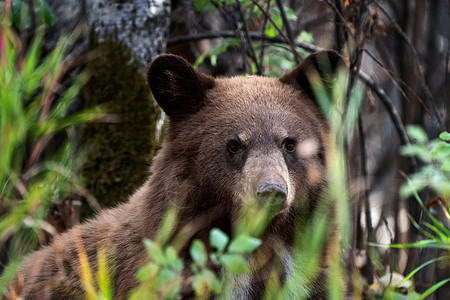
(368, 216)
(248, 40)
(229, 34)
(424, 86)
(286, 24)
(395, 78)
(286, 39)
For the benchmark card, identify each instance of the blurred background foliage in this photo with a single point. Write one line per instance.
(120, 153)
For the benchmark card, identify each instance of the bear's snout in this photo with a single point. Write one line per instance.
(270, 193)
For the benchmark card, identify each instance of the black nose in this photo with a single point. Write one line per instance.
(272, 193)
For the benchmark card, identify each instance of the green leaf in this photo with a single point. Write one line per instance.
(440, 150)
(200, 5)
(407, 190)
(419, 244)
(415, 150)
(215, 258)
(276, 17)
(290, 13)
(47, 15)
(270, 31)
(234, 263)
(445, 136)
(167, 275)
(21, 14)
(218, 239)
(438, 232)
(217, 285)
(171, 254)
(205, 282)
(147, 272)
(417, 133)
(433, 288)
(306, 37)
(198, 253)
(167, 227)
(178, 265)
(155, 252)
(421, 267)
(32, 57)
(244, 244)
(446, 165)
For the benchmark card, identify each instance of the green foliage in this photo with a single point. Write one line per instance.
(21, 14)
(200, 5)
(218, 239)
(272, 28)
(31, 114)
(435, 154)
(438, 238)
(216, 51)
(100, 288)
(163, 275)
(198, 253)
(276, 58)
(120, 153)
(244, 244)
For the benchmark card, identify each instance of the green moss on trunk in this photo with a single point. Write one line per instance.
(119, 154)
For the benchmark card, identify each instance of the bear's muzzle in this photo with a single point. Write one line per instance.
(271, 193)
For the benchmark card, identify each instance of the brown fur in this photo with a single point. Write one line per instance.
(198, 174)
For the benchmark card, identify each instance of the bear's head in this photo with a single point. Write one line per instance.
(240, 138)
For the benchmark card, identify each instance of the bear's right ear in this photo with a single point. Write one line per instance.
(177, 87)
(317, 68)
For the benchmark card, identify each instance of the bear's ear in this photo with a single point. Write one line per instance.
(177, 87)
(317, 68)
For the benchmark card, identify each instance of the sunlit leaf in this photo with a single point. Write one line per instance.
(198, 253)
(446, 165)
(155, 252)
(218, 239)
(445, 136)
(244, 244)
(433, 288)
(416, 133)
(234, 263)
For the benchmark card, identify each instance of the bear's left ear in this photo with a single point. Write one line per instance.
(321, 65)
(178, 88)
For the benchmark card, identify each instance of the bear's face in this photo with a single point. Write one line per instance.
(243, 139)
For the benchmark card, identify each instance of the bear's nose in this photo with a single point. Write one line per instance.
(271, 193)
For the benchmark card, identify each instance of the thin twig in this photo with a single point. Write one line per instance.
(309, 24)
(263, 48)
(248, 41)
(340, 38)
(396, 78)
(392, 111)
(369, 226)
(424, 86)
(281, 33)
(341, 17)
(286, 24)
(228, 34)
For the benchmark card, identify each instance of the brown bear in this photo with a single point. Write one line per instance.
(227, 140)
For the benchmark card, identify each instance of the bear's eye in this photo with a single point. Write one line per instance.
(289, 145)
(233, 146)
